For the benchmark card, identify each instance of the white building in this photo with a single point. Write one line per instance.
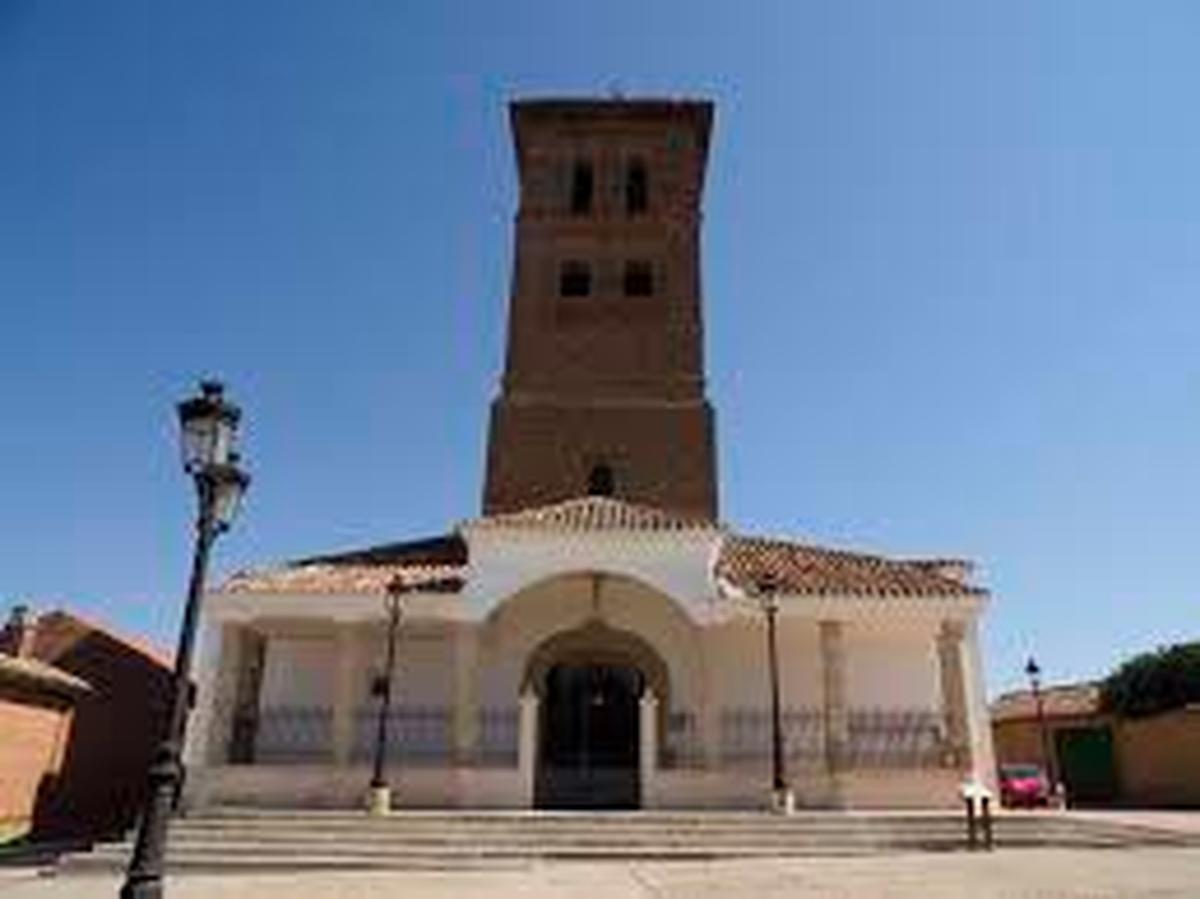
(595, 638)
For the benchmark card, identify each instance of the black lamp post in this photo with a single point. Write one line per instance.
(380, 793)
(1033, 672)
(208, 431)
(782, 799)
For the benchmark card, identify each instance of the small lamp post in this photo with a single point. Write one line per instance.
(1034, 673)
(208, 430)
(783, 800)
(380, 794)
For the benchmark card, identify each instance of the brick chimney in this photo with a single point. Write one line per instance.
(17, 637)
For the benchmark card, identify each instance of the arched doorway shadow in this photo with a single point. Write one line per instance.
(590, 681)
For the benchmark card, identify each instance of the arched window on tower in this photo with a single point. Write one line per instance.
(637, 192)
(574, 278)
(601, 481)
(582, 187)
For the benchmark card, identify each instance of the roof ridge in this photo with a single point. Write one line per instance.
(592, 512)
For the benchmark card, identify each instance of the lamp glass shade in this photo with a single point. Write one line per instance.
(228, 485)
(208, 428)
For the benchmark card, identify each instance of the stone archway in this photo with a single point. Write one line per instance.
(590, 680)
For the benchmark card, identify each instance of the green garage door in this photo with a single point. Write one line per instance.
(1088, 771)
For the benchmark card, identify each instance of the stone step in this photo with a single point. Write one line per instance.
(405, 827)
(292, 840)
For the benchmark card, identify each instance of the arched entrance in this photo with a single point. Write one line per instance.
(590, 681)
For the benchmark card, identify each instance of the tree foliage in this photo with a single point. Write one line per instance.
(1153, 682)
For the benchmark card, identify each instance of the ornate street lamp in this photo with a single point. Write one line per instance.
(1034, 673)
(208, 431)
(380, 798)
(782, 798)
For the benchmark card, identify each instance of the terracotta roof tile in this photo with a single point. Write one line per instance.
(34, 671)
(336, 578)
(595, 513)
(1061, 701)
(801, 568)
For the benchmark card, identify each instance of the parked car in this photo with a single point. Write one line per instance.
(1024, 785)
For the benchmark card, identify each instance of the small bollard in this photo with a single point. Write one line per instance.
(972, 839)
(977, 799)
(985, 803)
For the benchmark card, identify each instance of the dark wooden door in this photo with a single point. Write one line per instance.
(1088, 767)
(589, 751)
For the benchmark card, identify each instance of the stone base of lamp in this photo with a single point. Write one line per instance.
(783, 801)
(379, 801)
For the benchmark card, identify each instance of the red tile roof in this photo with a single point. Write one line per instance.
(340, 579)
(439, 564)
(800, 568)
(1061, 701)
(34, 672)
(436, 564)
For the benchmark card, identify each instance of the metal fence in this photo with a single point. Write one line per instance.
(886, 738)
(498, 736)
(745, 735)
(873, 738)
(417, 735)
(293, 735)
(424, 736)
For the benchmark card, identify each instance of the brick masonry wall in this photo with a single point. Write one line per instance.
(606, 378)
(101, 781)
(1157, 759)
(35, 730)
(659, 456)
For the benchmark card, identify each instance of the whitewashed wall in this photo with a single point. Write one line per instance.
(298, 672)
(890, 666)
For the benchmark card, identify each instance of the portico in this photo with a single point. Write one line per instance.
(500, 656)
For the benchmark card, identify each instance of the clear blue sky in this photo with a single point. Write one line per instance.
(952, 282)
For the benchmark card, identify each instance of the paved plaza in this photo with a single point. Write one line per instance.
(1042, 873)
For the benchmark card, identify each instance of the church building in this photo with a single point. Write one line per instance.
(596, 637)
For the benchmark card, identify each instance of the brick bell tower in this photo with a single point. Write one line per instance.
(603, 387)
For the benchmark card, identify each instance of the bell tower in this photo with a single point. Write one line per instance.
(603, 386)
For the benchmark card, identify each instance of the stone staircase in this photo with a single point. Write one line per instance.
(242, 839)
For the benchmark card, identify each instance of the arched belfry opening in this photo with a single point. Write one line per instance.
(601, 480)
(590, 681)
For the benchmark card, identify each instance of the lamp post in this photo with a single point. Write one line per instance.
(208, 430)
(1033, 672)
(782, 798)
(380, 794)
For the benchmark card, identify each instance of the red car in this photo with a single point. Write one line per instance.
(1023, 785)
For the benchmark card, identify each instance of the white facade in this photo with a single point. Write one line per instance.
(882, 698)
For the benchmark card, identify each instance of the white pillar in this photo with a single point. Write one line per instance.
(344, 700)
(709, 720)
(979, 723)
(952, 677)
(833, 693)
(201, 748)
(527, 741)
(466, 694)
(648, 746)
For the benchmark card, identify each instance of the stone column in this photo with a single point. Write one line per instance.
(647, 746)
(210, 678)
(979, 722)
(834, 720)
(527, 742)
(954, 691)
(208, 742)
(345, 700)
(709, 720)
(466, 693)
